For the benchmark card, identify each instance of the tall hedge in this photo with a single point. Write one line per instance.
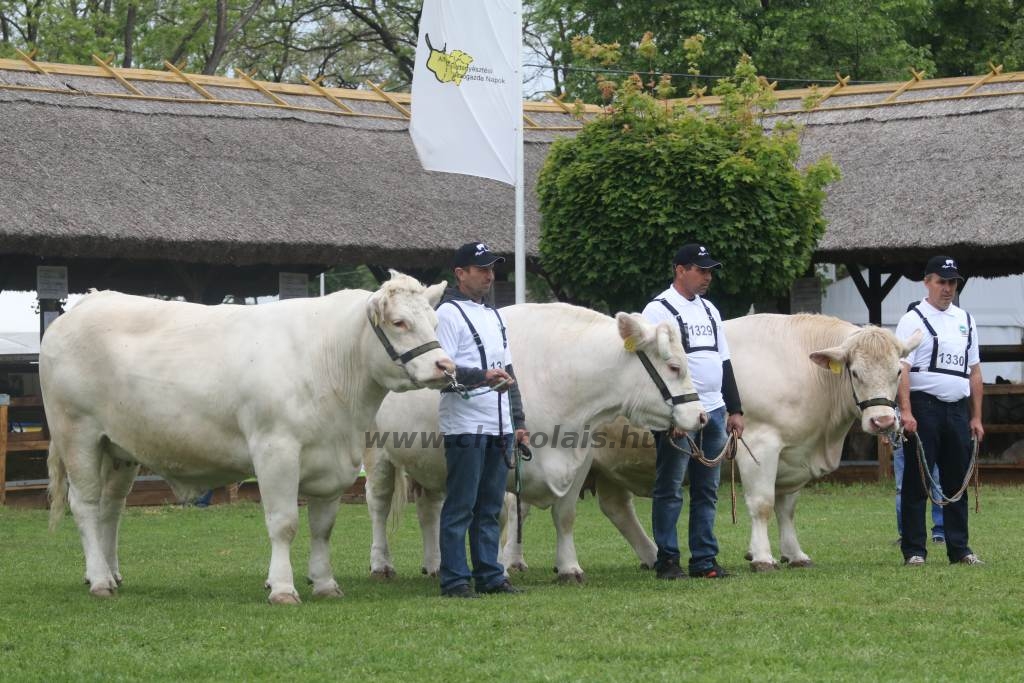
(618, 199)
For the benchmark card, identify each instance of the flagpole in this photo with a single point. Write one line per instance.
(520, 241)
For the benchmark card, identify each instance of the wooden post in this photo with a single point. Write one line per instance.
(884, 459)
(3, 454)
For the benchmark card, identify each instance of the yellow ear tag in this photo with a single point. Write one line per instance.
(835, 367)
(629, 343)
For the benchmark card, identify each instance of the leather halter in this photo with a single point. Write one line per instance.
(660, 383)
(402, 358)
(867, 403)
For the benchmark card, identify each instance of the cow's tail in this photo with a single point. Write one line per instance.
(400, 496)
(58, 487)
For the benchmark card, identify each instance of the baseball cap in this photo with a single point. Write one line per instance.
(476, 254)
(943, 266)
(696, 254)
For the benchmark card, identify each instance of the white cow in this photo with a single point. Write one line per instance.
(207, 395)
(574, 374)
(797, 414)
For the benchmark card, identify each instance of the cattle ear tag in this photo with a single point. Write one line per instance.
(835, 367)
(629, 343)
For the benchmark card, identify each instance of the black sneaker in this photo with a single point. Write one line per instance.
(713, 572)
(669, 570)
(503, 587)
(460, 591)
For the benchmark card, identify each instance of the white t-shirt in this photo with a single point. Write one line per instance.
(706, 346)
(479, 413)
(945, 378)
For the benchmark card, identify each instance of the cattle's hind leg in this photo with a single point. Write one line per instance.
(322, 513)
(789, 546)
(617, 505)
(118, 474)
(428, 511)
(83, 460)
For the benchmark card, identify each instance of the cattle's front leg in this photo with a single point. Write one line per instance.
(563, 512)
(322, 513)
(789, 546)
(277, 473)
(616, 503)
(380, 488)
(428, 512)
(512, 551)
(759, 492)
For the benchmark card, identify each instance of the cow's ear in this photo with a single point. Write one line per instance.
(634, 330)
(912, 343)
(833, 359)
(435, 292)
(375, 305)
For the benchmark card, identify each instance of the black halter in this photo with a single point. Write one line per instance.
(402, 358)
(864, 405)
(660, 383)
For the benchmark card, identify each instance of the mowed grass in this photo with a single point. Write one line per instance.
(193, 606)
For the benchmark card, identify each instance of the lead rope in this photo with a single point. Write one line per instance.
(729, 452)
(930, 484)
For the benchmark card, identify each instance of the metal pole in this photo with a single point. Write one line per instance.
(520, 244)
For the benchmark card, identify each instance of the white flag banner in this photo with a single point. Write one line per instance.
(467, 100)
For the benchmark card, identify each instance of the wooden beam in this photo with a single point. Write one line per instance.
(116, 76)
(331, 98)
(993, 71)
(189, 80)
(916, 78)
(29, 59)
(259, 86)
(841, 82)
(390, 100)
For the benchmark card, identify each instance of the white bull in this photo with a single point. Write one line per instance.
(796, 414)
(207, 395)
(574, 373)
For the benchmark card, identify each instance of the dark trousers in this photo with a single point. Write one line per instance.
(945, 434)
(477, 476)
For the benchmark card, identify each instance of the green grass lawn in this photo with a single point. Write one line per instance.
(193, 606)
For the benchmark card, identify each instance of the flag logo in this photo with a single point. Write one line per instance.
(447, 67)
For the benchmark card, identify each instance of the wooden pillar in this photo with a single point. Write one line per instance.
(3, 454)
(873, 291)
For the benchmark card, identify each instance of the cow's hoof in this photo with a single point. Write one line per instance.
(385, 574)
(433, 573)
(103, 592)
(762, 567)
(330, 591)
(572, 579)
(646, 567)
(801, 564)
(519, 566)
(748, 556)
(118, 579)
(284, 598)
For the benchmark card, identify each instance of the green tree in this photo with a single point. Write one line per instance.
(619, 198)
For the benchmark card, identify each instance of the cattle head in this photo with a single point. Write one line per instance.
(402, 316)
(870, 358)
(666, 397)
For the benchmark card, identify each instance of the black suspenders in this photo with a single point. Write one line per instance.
(476, 335)
(933, 363)
(682, 327)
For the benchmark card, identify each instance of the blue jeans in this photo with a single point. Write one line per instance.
(477, 477)
(672, 463)
(898, 459)
(945, 434)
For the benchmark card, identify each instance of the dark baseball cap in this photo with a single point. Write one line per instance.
(695, 254)
(943, 266)
(476, 254)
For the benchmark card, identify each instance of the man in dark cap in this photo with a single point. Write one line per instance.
(939, 398)
(707, 355)
(480, 418)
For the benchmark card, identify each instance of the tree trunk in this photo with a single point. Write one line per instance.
(129, 35)
(223, 35)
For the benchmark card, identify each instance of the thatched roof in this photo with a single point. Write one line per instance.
(165, 168)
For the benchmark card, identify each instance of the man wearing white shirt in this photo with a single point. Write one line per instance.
(479, 420)
(940, 402)
(707, 356)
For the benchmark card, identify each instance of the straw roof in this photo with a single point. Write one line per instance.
(122, 172)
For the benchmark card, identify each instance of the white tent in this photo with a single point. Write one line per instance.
(997, 304)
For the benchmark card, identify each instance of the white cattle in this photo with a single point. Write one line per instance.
(796, 413)
(574, 374)
(207, 395)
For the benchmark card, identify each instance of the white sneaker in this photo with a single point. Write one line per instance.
(970, 559)
(917, 561)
